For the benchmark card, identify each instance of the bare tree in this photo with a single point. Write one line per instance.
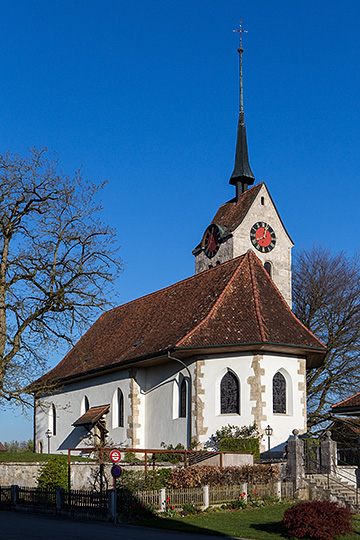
(56, 263)
(326, 298)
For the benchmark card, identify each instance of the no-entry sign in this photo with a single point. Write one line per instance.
(115, 456)
(116, 471)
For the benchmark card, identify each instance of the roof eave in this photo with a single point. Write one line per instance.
(313, 355)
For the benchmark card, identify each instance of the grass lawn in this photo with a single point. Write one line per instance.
(11, 457)
(252, 523)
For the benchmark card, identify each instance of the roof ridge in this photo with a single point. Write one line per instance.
(190, 278)
(189, 334)
(256, 297)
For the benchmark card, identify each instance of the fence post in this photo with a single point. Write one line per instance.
(328, 454)
(278, 490)
(295, 467)
(111, 504)
(60, 496)
(244, 492)
(14, 494)
(163, 499)
(206, 497)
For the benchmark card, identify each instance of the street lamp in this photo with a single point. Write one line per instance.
(48, 434)
(268, 431)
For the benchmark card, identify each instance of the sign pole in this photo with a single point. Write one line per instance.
(115, 503)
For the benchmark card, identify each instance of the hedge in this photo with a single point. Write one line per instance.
(247, 446)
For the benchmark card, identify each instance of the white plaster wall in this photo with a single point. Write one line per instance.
(162, 406)
(295, 417)
(100, 391)
(283, 424)
(159, 419)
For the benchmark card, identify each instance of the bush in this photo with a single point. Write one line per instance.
(54, 473)
(247, 446)
(138, 480)
(320, 520)
(214, 476)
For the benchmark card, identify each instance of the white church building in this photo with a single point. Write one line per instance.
(220, 347)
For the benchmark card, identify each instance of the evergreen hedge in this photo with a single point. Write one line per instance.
(247, 446)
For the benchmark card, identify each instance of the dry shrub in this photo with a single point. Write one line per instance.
(215, 476)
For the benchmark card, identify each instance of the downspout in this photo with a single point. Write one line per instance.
(34, 428)
(190, 400)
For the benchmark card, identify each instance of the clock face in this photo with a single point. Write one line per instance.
(262, 237)
(211, 240)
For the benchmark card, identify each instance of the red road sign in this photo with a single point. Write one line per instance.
(116, 471)
(115, 456)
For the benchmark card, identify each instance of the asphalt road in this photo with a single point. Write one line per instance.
(22, 526)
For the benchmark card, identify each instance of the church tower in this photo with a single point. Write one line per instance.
(249, 221)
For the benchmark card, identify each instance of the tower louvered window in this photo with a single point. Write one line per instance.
(229, 394)
(279, 393)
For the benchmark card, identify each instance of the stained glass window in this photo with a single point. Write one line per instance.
(183, 399)
(279, 393)
(229, 393)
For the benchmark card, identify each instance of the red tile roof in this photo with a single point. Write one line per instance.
(92, 415)
(231, 214)
(2, 448)
(234, 304)
(349, 404)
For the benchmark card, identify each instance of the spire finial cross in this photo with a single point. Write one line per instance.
(240, 31)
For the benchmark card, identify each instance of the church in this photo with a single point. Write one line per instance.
(220, 347)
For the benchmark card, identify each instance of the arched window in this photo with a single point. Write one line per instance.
(53, 413)
(279, 393)
(229, 394)
(182, 398)
(85, 405)
(120, 408)
(40, 447)
(268, 268)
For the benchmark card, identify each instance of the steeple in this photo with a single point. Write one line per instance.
(242, 176)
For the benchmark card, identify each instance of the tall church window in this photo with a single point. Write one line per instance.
(120, 408)
(229, 394)
(52, 419)
(182, 400)
(279, 393)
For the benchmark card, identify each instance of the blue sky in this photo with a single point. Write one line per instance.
(145, 95)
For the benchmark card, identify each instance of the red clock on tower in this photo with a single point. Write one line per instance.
(263, 237)
(211, 240)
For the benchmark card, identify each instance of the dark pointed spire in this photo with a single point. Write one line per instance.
(242, 175)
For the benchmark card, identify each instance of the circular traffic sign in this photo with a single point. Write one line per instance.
(116, 471)
(115, 456)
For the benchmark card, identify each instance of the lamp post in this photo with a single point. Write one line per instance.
(48, 434)
(268, 431)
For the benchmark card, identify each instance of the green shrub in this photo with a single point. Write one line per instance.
(189, 509)
(54, 473)
(138, 480)
(319, 520)
(247, 446)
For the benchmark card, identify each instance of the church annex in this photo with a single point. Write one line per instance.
(220, 347)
